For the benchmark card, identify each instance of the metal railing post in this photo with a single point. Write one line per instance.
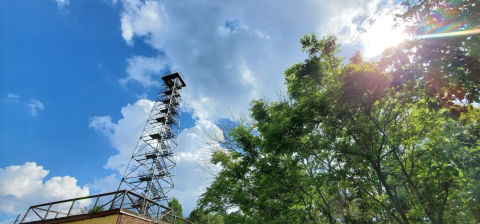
(70, 210)
(94, 206)
(144, 206)
(158, 211)
(113, 201)
(123, 198)
(18, 216)
(48, 210)
(25, 215)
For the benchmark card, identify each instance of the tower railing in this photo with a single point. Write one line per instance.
(178, 72)
(98, 203)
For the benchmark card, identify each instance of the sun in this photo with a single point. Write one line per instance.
(379, 35)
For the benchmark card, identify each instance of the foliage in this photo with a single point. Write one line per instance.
(199, 216)
(175, 205)
(394, 141)
(448, 65)
(85, 210)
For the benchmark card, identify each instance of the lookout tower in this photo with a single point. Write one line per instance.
(151, 170)
(147, 179)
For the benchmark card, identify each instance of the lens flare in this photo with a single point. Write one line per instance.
(449, 34)
(446, 22)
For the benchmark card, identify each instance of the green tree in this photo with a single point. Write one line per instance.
(85, 210)
(279, 174)
(200, 216)
(348, 144)
(394, 141)
(175, 205)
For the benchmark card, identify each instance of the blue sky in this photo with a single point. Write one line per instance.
(77, 80)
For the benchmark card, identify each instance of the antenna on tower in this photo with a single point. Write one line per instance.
(151, 170)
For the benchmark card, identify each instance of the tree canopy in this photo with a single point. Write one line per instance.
(175, 205)
(199, 216)
(394, 141)
(445, 51)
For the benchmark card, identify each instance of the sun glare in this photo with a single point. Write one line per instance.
(380, 35)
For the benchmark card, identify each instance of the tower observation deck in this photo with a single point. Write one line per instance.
(151, 170)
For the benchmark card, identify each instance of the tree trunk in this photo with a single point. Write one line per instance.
(390, 194)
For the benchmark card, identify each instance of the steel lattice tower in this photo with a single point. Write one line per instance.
(151, 169)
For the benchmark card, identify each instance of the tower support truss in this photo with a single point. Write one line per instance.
(151, 170)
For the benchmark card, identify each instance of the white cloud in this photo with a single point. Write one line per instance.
(194, 172)
(62, 4)
(107, 184)
(207, 47)
(143, 70)
(35, 105)
(24, 186)
(13, 183)
(367, 23)
(12, 98)
(142, 19)
(247, 74)
(221, 46)
(124, 134)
